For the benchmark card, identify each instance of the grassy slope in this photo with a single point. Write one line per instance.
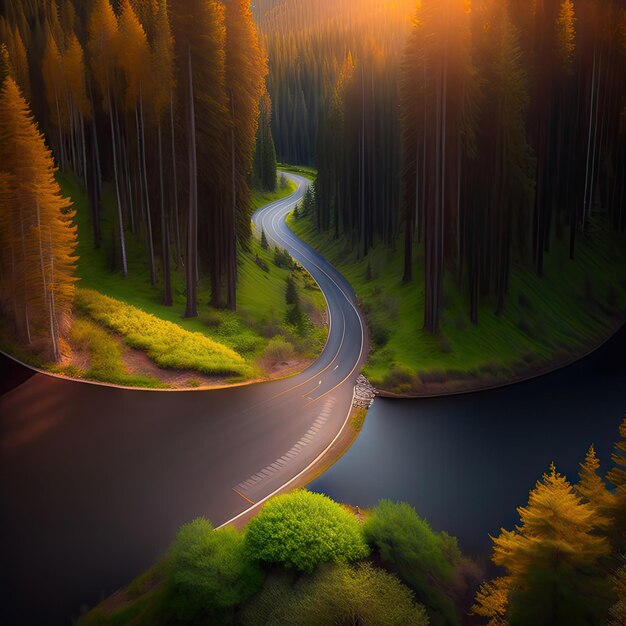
(249, 331)
(564, 314)
(302, 170)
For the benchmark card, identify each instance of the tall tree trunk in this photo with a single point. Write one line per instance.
(46, 295)
(165, 239)
(147, 194)
(231, 293)
(175, 183)
(117, 186)
(192, 220)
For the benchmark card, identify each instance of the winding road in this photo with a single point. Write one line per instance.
(95, 481)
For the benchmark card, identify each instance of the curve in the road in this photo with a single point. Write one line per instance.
(94, 481)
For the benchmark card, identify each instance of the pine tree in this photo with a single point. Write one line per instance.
(78, 102)
(161, 98)
(264, 166)
(617, 613)
(617, 476)
(246, 68)
(4, 63)
(18, 58)
(264, 244)
(102, 45)
(200, 37)
(492, 601)
(56, 94)
(592, 489)
(38, 273)
(551, 561)
(133, 58)
(291, 294)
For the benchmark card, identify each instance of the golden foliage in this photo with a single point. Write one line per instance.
(556, 526)
(566, 34)
(492, 601)
(38, 237)
(592, 489)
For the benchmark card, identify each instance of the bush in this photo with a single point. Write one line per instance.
(423, 559)
(283, 259)
(380, 333)
(291, 294)
(208, 572)
(336, 594)
(301, 530)
(279, 349)
(400, 376)
(166, 343)
(262, 264)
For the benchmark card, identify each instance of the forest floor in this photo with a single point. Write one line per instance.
(215, 349)
(548, 321)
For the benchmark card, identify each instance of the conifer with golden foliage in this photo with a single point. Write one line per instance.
(618, 477)
(551, 561)
(592, 489)
(37, 237)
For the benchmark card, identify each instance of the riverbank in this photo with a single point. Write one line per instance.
(548, 323)
(123, 335)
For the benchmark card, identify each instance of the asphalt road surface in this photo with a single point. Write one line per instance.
(95, 481)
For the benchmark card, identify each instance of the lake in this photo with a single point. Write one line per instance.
(466, 462)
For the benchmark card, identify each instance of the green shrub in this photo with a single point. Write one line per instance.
(399, 377)
(423, 559)
(166, 343)
(282, 258)
(291, 293)
(279, 349)
(380, 333)
(208, 572)
(301, 530)
(336, 594)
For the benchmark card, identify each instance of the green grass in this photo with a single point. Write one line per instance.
(105, 356)
(302, 170)
(561, 315)
(243, 335)
(261, 198)
(166, 343)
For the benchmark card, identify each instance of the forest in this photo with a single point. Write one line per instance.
(480, 144)
(458, 170)
(143, 143)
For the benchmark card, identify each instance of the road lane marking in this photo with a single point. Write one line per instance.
(300, 473)
(244, 497)
(341, 291)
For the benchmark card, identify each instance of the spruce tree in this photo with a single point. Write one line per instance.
(551, 561)
(38, 272)
(291, 294)
(617, 476)
(592, 489)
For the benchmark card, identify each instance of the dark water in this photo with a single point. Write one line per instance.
(466, 462)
